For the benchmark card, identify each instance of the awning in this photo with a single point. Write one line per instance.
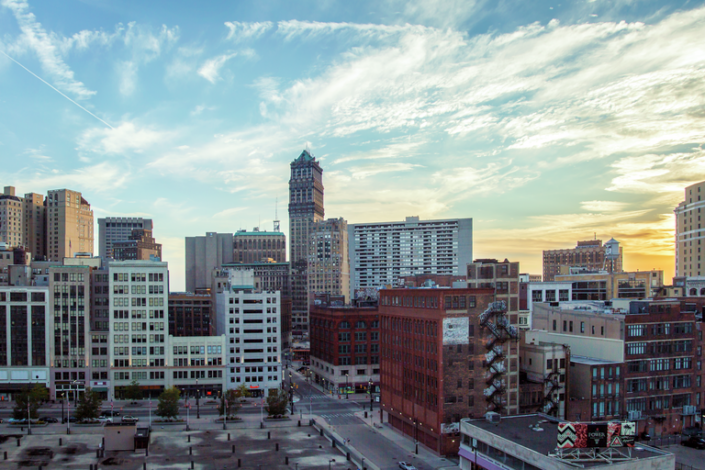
(100, 389)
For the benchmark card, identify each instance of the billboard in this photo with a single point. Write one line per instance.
(588, 435)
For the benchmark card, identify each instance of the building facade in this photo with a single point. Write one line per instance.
(69, 224)
(115, 229)
(141, 245)
(602, 285)
(544, 369)
(203, 255)
(382, 253)
(191, 314)
(268, 276)
(256, 246)
(690, 232)
(345, 348)
(328, 262)
(435, 365)
(250, 322)
(305, 209)
(26, 328)
(589, 254)
(23, 221)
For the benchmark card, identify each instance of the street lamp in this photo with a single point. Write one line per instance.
(225, 410)
(369, 389)
(198, 405)
(347, 387)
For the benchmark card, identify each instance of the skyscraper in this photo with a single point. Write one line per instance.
(328, 262)
(305, 209)
(23, 221)
(69, 224)
(690, 231)
(115, 229)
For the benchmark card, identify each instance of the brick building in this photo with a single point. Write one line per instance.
(434, 366)
(345, 347)
(589, 254)
(191, 314)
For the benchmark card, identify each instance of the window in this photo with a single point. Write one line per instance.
(582, 327)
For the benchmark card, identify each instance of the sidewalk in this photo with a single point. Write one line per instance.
(385, 430)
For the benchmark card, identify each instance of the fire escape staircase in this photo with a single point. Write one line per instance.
(500, 331)
(550, 400)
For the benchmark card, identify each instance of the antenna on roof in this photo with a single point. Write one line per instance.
(276, 215)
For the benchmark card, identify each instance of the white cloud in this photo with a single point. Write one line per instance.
(239, 31)
(211, 67)
(127, 137)
(36, 38)
(228, 213)
(127, 70)
(603, 206)
(102, 177)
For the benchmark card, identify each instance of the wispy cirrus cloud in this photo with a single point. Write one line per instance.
(210, 70)
(126, 137)
(239, 31)
(100, 178)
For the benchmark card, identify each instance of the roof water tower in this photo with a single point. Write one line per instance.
(611, 254)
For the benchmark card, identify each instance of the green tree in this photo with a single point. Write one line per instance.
(168, 407)
(133, 391)
(88, 406)
(242, 391)
(32, 397)
(277, 403)
(233, 403)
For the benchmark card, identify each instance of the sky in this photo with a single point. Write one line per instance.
(545, 122)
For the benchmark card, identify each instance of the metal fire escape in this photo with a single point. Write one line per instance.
(500, 331)
(550, 400)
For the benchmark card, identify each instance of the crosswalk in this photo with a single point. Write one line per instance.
(316, 397)
(337, 415)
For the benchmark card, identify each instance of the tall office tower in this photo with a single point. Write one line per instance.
(589, 254)
(69, 224)
(139, 329)
(328, 263)
(256, 246)
(70, 299)
(203, 255)
(305, 209)
(140, 246)
(382, 253)
(23, 221)
(690, 231)
(26, 326)
(115, 229)
(250, 320)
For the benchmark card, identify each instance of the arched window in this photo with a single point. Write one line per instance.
(702, 291)
(360, 325)
(693, 291)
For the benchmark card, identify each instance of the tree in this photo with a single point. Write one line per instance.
(233, 401)
(133, 391)
(242, 391)
(88, 406)
(277, 403)
(168, 407)
(34, 397)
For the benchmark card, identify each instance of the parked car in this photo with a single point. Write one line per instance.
(72, 419)
(129, 419)
(692, 431)
(17, 421)
(109, 414)
(406, 466)
(694, 442)
(49, 419)
(105, 419)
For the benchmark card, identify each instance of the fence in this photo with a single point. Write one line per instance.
(682, 466)
(665, 441)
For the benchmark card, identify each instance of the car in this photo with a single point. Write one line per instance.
(17, 421)
(694, 442)
(49, 419)
(105, 419)
(129, 419)
(72, 419)
(109, 414)
(406, 466)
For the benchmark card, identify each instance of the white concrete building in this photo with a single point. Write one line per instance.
(381, 253)
(251, 323)
(139, 327)
(26, 326)
(553, 291)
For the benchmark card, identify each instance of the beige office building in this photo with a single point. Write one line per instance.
(23, 221)
(69, 224)
(328, 261)
(690, 232)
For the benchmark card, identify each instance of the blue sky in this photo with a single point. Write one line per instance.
(545, 122)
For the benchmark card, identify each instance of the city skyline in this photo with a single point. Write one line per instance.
(546, 126)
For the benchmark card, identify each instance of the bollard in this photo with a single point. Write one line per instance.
(40, 467)
(97, 453)
(365, 414)
(233, 448)
(144, 465)
(286, 460)
(299, 423)
(239, 463)
(5, 455)
(146, 451)
(60, 442)
(192, 465)
(189, 437)
(228, 436)
(277, 447)
(348, 456)
(18, 442)
(332, 443)
(321, 431)
(190, 450)
(269, 434)
(103, 443)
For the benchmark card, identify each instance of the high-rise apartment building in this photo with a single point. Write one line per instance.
(141, 245)
(251, 323)
(256, 246)
(23, 221)
(690, 232)
(328, 262)
(115, 229)
(69, 224)
(139, 299)
(203, 255)
(305, 209)
(382, 253)
(589, 254)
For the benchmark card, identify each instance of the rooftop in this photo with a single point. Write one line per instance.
(592, 361)
(516, 429)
